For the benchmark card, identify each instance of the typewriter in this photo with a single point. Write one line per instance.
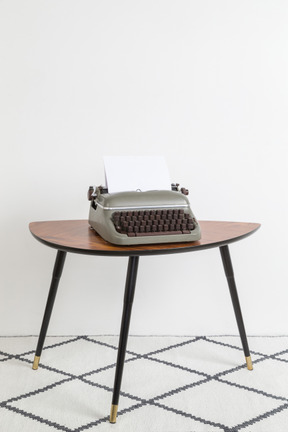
(135, 217)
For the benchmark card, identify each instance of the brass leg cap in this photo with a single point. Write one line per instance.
(36, 362)
(249, 363)
(113, 413)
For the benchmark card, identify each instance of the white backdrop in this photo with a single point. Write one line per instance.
(202, 83)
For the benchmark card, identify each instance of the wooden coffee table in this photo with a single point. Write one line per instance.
(76, 236)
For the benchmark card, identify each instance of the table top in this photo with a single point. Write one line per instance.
(76, 236)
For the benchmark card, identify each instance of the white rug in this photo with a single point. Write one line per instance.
(170, 384)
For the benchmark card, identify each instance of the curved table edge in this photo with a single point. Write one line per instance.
(144, 252)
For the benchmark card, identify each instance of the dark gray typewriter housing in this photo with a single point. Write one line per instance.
(135, 218)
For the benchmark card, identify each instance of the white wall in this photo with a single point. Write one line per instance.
(202, 83)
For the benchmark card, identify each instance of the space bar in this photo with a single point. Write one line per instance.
(146, 234)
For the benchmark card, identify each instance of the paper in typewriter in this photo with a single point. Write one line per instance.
(132, 173)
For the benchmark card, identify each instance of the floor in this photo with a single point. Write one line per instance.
(170, 383)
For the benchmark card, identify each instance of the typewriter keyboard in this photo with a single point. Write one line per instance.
(153, 222)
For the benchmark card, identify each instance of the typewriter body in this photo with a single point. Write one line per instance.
(131, 218)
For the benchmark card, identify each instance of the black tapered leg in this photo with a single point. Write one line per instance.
(126, 315)
(227, 263)
(58, 267)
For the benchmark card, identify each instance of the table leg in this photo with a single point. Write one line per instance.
(58, 267)
(227, 263)
(126, 315)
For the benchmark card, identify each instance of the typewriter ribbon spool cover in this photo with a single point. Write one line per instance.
(131, 218)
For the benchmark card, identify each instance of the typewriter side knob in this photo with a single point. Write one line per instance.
(102, 190)
(175, 187)
(184, 191)
(94, 192)
(90, 193)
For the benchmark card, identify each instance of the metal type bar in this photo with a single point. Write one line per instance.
(227, 264)
(57, 272)
(126, 315)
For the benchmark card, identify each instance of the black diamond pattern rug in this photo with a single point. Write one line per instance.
(170, 384)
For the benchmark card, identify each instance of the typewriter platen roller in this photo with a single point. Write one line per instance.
(131, 218)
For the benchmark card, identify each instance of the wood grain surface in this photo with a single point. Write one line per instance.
(76, 236)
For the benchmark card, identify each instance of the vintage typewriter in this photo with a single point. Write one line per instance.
(135, 217)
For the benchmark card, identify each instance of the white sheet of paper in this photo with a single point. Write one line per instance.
(131, 173)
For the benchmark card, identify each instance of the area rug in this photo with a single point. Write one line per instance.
(170, 384)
